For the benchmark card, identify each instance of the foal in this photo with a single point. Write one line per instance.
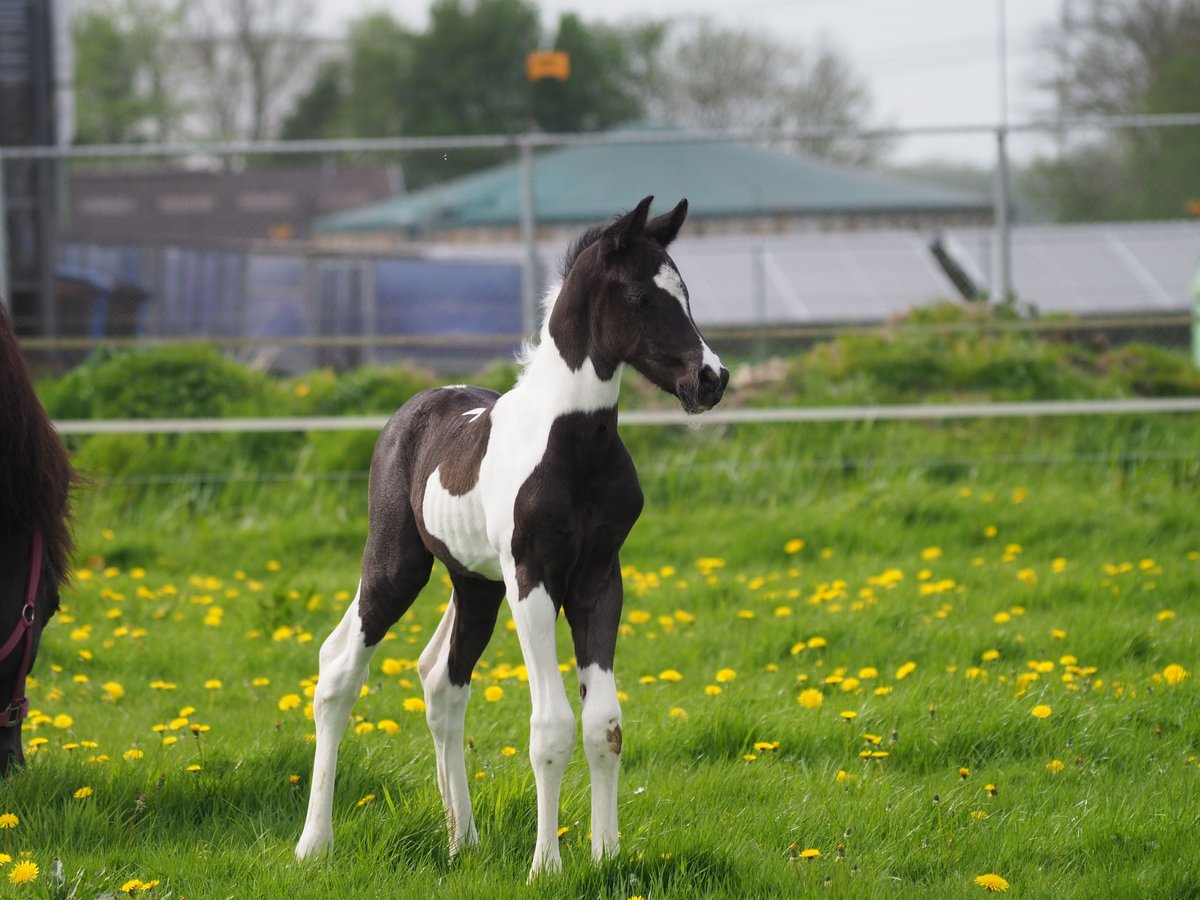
(530, 495)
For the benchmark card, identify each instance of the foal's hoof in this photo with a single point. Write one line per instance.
(313, 846)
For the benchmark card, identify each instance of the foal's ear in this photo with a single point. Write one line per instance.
(664, 228)
(620, 232)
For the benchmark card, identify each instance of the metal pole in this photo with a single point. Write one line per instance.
(4, 295)
(529, 268)
(1003, 229)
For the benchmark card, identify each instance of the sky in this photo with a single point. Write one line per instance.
(927, 62)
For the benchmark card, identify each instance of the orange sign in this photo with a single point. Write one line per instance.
(548, 64)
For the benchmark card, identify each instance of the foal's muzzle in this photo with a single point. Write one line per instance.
(703, 390)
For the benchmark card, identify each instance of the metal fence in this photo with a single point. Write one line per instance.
(333, 253)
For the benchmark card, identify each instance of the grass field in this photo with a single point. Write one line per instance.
(931, 653)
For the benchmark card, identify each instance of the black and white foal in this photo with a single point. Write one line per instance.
(529, 494)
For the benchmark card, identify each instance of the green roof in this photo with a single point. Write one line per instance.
(592, 182)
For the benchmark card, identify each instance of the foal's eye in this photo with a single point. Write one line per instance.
(638, 297)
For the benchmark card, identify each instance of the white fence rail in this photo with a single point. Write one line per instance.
(895, 412)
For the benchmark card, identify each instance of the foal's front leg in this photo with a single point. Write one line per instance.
(552, 723)
(595, 616)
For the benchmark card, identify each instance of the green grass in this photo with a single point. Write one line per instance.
(1114, 498)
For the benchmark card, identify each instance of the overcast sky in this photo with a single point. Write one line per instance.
(928, 62)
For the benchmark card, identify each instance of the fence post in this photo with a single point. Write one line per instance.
(529, 264)
(1004, 285)
(1196, 319)
(5, 299)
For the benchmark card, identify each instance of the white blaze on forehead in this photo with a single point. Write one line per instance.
(668, 279)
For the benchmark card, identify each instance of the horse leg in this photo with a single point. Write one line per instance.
(445, 668)
(595, 616)
(552, 723)
(396, 566)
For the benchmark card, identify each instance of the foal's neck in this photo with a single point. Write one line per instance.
(553, 388)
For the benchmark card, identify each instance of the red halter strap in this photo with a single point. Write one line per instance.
(23, 633)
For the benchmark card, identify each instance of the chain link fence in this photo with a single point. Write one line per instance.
(340, 253)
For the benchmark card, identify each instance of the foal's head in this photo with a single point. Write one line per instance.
(623, 301)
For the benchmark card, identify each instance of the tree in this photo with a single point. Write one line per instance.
(1110, 57)
(608, 68)
(465, 74)
(123, 72)
(716, 77)
(248, 54)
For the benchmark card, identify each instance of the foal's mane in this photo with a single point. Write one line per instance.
(578, 245)
(35, 472)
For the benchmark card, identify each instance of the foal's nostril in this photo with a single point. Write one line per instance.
(709, 378)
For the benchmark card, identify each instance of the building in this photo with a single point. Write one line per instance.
(733, 188)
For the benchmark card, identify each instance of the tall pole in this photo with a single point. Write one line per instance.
(1003, 226)
(5, 298)
(529, 267)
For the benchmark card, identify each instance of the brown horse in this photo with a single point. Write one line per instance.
(35, 542)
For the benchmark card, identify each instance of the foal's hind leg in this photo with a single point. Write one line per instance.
(445, 668)
(395, 568)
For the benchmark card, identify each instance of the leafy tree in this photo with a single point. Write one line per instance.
(123, 72)
(1111, 58)
(465, 74)
(608, 67)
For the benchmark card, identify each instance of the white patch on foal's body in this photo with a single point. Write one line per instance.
(477, 526)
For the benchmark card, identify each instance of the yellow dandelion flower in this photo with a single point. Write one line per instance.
(365, 800)
(678, 712)
(63, 721)
(1175, 673)
(194, 767)
(133, 754)
(712, 690)
(83, 793)
(1041, 711)
(810, 853)
(388, 726)
(5, 859)
(905, 670)
(289, 701)
(670, 675)
(848, 714)
(414, 705)
(991, 882)
(749, 757)
(810, 698)
(1055, 766)
(9, 820)
(794, 546)
(493, 693)
(725, 675)
(24, 872)
(112, 691)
